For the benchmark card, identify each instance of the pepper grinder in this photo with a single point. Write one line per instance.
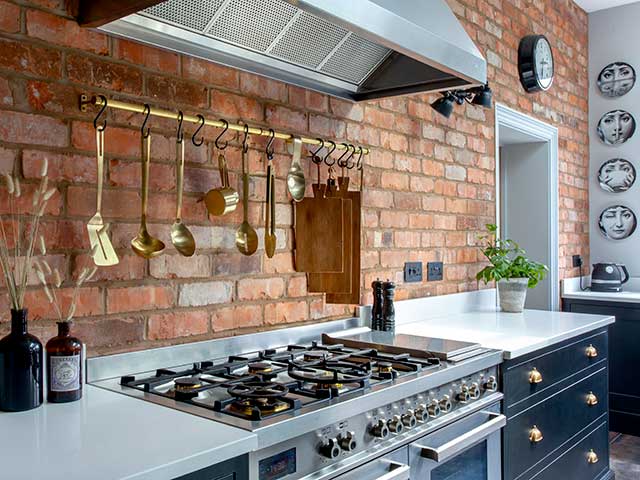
(388, 310)
(376, 310)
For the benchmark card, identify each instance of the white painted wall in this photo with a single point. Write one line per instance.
(614, 35)
(525, 208)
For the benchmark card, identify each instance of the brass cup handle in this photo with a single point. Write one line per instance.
(591, 351)
(535, 376)
(592, 457)
(592, 399)
(535, 435)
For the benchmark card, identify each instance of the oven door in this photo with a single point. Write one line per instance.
(392, 466)
(468, 449)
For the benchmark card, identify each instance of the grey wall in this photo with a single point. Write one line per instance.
(614, 35)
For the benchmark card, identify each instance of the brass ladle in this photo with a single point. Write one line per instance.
(181, 236)
(144, 244)
(246, 236)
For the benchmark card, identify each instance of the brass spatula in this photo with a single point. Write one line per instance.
(104, 254)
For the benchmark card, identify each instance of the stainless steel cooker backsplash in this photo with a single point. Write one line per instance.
(356, 50)
(325, 399)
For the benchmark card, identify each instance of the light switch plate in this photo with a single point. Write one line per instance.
(412, 272)
(434, 271)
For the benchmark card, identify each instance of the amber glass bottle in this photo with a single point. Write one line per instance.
(64, 366)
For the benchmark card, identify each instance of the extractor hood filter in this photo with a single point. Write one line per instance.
(299, 42)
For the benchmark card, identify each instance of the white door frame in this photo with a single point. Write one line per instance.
(508, 117)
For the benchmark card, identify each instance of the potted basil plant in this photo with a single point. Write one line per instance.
(510, 268)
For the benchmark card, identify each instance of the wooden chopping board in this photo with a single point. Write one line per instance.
(319, 236)
(353, 297)
(339, 282)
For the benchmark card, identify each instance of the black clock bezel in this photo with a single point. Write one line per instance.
(526, 64)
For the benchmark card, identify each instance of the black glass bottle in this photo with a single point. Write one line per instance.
(20, 367)
(64, 366)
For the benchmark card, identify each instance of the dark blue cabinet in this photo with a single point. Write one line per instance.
(624, 352)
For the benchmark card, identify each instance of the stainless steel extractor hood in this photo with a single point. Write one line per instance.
(354, 49)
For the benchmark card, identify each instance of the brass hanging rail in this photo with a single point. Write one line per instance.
(98, 101)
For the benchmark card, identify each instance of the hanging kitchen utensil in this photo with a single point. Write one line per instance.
(104, 255)
(224, 199)
(144, 244)
(295, 178)
(319, 236)
(246, 236)
(339, 282)
(269, 224)
(352, 298)
(181, 237)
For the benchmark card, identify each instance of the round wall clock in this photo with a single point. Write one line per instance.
(616, 79)
(616, 175)
(616, 127)
(535, 63)
(617, 222)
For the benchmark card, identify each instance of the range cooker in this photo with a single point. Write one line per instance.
(335, 407)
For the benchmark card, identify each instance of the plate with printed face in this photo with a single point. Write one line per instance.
(616, 175)
(617, 222)
(616, 127)
(616, 79)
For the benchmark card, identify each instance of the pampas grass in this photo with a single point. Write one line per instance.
(15, 268)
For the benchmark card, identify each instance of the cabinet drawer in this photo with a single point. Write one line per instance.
(539, 372)
(577, 463)
(556, 418)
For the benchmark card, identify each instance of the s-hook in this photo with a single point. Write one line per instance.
(101, 128)
(198, 143)
(315, 158)
(180, 132)
(359, 161)
(245, 145)
(147, 113)
(269, 149)
(347, 149)
(328, 155)
(348, 161)
(219, 146)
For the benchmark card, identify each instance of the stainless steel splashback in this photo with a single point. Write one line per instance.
(355, 49)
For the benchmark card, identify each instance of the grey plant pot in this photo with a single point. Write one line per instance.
(512, 294)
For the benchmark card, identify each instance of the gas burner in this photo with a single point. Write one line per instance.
(315, 356)
(385, 367)
(258, 390)
(257, 368)
(187, 384)
(330, 376)
(258, 408)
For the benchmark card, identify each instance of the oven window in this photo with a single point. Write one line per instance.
(468, 465)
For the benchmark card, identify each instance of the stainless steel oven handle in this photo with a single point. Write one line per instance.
(397, 471)
(392, 471)
(448, 450)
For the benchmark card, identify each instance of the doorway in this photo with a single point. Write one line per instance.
(527, 195)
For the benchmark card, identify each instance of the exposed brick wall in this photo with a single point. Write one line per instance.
(429, 181)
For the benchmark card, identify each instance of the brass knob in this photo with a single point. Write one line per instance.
(591, 351)
(535, 435)
(535, 376)
(592, 399)
(592, 457)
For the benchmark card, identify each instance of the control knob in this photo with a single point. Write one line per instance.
(434, 409)
(445, 404)
(422, 412)
(347, 441)
(395, 424)
(379, 429)
(474, 391)
(490, 385)
(463, 395)
(409, 419)
(330, 449)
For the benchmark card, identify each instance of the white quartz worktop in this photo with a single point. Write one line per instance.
(515, 333)
(630, 293)
(109, 436)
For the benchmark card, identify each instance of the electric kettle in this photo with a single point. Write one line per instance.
(608, 277)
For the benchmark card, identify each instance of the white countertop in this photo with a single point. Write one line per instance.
(630, 291)
(109, 436)
(515, 333)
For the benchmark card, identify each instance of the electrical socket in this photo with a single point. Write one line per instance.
(412, 272)
(577, 261)
(434, 271)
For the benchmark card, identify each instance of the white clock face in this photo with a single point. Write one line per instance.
(544, 63)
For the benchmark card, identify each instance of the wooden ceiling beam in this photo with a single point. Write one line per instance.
(94, 13)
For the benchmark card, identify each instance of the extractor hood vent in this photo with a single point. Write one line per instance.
(350, 49)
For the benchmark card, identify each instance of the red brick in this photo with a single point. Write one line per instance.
(297, 286)
(104, 74)
(109, 332)
(153, 58)
(177, 324)
(210, 73)
(9, 17)
(128, 174)
(57, 30)
(117, 141)
(61, 167)
(258, 86)
(236, 107)
(32, 129)
(260, 288)
(282, 117)
(7, 160)
(89, 302)
(129, 267)
(132, 299)
(179, 92)
(229, 318)
(177, 266)
(286, 312)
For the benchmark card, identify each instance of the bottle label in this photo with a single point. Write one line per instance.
(65, 373)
